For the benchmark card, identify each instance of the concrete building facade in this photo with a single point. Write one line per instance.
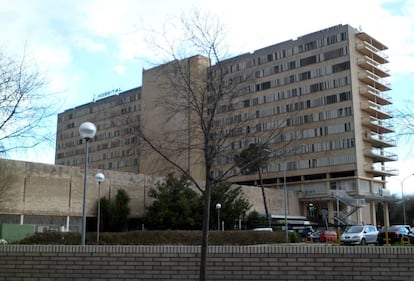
(319, 103)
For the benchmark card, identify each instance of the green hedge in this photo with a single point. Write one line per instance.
(163, 238)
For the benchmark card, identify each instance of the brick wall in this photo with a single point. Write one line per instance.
(63, 187)
(180, 263)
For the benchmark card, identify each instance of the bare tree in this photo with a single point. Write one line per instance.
(24, 105)
(404, 118)
(252, 160)
(192, 113)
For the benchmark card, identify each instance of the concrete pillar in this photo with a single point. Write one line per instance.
(331, 212)
(373, 214)
(67, 222)
(386, 214)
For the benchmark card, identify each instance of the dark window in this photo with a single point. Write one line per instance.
(316, 87)
(305, 75)
(265, 85)
(246, 103)
(345, 96)
(331, 99)
(310, 46)
(270, 57)
(340, 67)
(308, 60)
(333, 54)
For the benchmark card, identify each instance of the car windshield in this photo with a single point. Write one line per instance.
(394, 228)
(354, 229)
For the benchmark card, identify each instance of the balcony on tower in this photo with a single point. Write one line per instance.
(376, 110)
(374, 80)
(375, 95)
(380, 140)
(370, 64)
(379, 126)
(380, 155)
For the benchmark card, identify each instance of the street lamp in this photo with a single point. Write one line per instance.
(99, 177)
(87, 131)
(218, 207)
(403, 198)
(285, 193)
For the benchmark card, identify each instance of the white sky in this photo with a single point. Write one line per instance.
(86, 47)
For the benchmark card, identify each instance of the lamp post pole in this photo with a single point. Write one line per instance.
(403, 199)
(218, 207)
(87, 131)
(99, 177)
(286, 203)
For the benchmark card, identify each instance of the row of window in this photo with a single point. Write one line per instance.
(302, 149)
(292, 107)
(104, 106)
(288, 52)
(346, 158)
(118, 164)
(94, 147)
(285, 94)
(280, 166)
(104, 166)
(274, 69)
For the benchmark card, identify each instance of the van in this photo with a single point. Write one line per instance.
(360, 235)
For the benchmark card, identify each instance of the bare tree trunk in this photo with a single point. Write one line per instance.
(269, 219)
(206, 222)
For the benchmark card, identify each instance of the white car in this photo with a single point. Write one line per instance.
(360, 234)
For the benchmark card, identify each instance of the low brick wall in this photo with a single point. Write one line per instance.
(297, 262)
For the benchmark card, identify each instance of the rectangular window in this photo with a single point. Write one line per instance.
(246, 103)
(265, 85)
(333, 54)
(305, 75)
(331, 99)
(255, 101)
(345, 96)
(308, 61)
(310, 45)
(340, 67)
(269, 57)
(332, 39)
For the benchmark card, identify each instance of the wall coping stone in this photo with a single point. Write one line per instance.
(213, 249)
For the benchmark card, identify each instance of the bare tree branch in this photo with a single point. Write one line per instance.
(24, 105)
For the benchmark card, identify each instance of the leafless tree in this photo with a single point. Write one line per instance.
(24, 105)
(404, 117)
(194, 104)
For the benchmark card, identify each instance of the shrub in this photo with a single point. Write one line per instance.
(167, 237)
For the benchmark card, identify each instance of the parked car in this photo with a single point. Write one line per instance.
(315, 235)
(306, 232)
(328, 235)
(360, 234)
(395, 233)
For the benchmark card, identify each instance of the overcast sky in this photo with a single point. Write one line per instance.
(87, 47)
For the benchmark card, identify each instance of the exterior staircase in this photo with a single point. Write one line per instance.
(353, 204)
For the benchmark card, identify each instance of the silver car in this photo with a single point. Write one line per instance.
(360, 234)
